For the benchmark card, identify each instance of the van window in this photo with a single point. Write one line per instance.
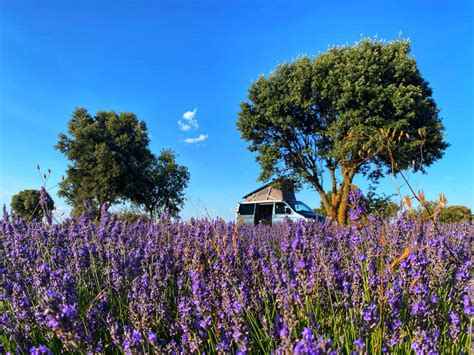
(280, 208)
(302, 209)
(247, 209)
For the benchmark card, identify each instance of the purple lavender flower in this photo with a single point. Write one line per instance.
(425, 341)
(357, 204)
(419, 309)
(208, 286)
(283, 331)
(152, 338)
(370, 316)
(359, 344)
(468, 308)
(44, 197)
(40, 350)
(454, 325)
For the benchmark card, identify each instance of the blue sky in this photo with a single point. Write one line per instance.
(163, 59)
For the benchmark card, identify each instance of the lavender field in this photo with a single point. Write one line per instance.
(207, 286)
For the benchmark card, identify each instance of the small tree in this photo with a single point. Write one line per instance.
(163, 185)
(108, 154)
(329, 115)
(131, 214)
(32, 204)
(453, 214)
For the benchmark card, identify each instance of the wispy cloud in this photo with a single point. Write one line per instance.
(201, 138)
(189, 122)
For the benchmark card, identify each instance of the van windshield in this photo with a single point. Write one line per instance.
(301, 208)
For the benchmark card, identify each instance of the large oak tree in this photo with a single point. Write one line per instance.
(327, 116)
(108, 154)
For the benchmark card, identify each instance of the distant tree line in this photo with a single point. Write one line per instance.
(385, 207)
(445, 214)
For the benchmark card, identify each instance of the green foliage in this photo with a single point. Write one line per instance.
(131, 215)
(381, 205)
(330, 113)
(320, 211)
(27, 204)
(163, 185)
(453, 214)
(108, 153)
(443, 214)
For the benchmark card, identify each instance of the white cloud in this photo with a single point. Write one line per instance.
(201, 138)
(189, 121)
(183, 126)
(189, 115)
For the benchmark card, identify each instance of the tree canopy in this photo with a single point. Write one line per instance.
(328, 116)
(444, 214)
(163, 185)
(381, 205)
(111, 162)
(32, 204)
(453, 214)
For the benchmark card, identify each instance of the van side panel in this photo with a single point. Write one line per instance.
(246, 213)
(267, 213)
(279, 213)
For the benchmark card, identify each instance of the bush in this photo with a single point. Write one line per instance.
(452, 214)
(29, 205)
(129, 215)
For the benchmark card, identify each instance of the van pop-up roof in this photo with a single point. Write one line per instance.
(270, 193)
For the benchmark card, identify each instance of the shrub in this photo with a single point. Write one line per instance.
(452, 214)
(131, 215)
(32, 204)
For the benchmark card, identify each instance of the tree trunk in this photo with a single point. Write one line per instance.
(342, 208)
(343, 195)
(330, 211)
(336, 209)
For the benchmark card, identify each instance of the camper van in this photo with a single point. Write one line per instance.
(269, 205)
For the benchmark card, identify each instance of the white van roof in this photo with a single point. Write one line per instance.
(269, 192)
